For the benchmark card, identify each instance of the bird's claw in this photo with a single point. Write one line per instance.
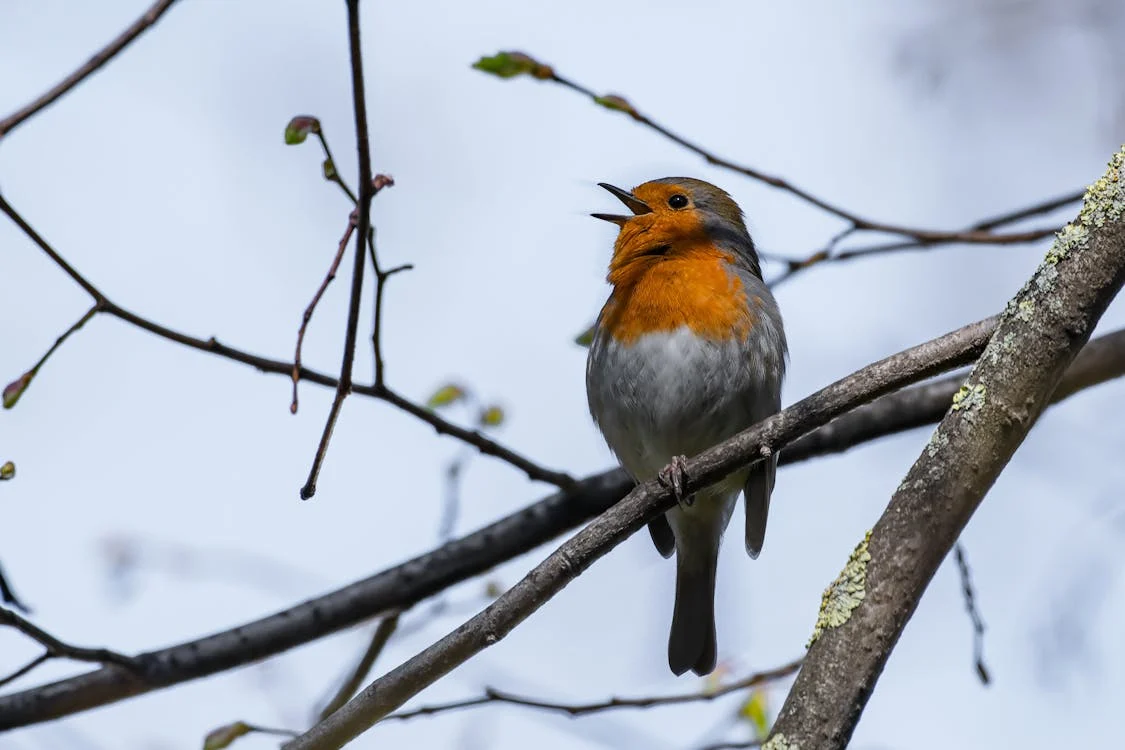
(673, 476)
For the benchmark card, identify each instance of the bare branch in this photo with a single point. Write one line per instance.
(56, 648)
(111, 50)
(1046, 324)
(307, 316)
(481, 442)
(43, 657)
(363, 225)
(493, 696)
(8, 596)
(391, 691)
(971, 608)
(379, 638)
(856, 223)
(401, 587)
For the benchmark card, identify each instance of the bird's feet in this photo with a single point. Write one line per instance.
(672, 476)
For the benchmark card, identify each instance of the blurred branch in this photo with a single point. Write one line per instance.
(488, 627)
(363, 227)
(493, 696)
(220, 738)
(43, 657)
(864, 612)
(481, 442)
(111, 50)
(8, 596)
(971, 608)
(379, 638)
(57, 649)
(402, 586)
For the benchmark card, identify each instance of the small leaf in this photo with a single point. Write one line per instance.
(616, 103)
(493, 416)
(756, 711)
(299, 128)
(15, 389)
(222, 737)
(446, 395)
(512, 64)
(585, 338)
(7, 471)
(329, 169)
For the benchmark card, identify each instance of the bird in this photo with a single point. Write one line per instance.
(688, 350)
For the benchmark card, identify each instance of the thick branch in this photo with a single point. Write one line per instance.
(865, 611)
(389, 692)
(111, 50)
(406, 584)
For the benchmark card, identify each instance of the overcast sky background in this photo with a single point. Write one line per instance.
(166, 181)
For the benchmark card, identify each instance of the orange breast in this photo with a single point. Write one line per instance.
(690, 288)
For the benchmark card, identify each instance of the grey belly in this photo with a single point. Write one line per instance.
(672, 394)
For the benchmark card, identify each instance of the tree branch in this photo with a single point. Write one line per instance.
(391, 691)
(404, 585)
(866, 609)
(363, 227)
(481, 442)
(355, 678)
(56, 648)
(493, 696)
(111, 50)
(508, 64)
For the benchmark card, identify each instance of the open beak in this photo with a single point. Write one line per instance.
(634, 204)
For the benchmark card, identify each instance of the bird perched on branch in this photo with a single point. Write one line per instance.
(687, 351)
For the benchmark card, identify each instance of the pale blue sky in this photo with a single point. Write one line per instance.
(166, 181)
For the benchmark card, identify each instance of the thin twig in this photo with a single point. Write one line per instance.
(59, 649)
(481, 442)
(363, 224)
(42, 658)
(974, 614)
(111, 50)
(973, 236)
(491, 695)
(307, 316)
(379, 638)
(8, 596)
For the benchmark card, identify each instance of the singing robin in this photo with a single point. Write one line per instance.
(687, 351)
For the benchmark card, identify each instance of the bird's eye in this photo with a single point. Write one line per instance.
(678, 201)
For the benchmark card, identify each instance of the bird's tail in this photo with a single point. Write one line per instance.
(691, 644)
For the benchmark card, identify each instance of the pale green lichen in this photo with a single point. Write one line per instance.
(779, 742)
(1104, 202)
(1045, 279)
(969, 397)
(845, 593)
(1024, 310)
(938, 441)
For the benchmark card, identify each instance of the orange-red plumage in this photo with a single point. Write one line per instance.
(688, 283)
(661, 294)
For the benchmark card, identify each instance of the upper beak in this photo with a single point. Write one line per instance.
(633, 203)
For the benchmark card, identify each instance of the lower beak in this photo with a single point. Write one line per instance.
(632, 202)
